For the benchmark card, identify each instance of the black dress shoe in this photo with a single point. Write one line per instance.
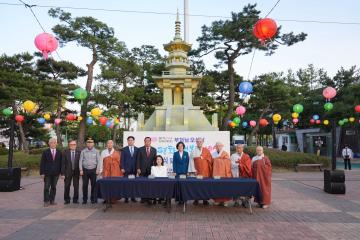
(67, 202)
(84, 202)
(133, 200)
(196, 202)
(76, 201)
(206, 203)
(93, 201)
(126, 200)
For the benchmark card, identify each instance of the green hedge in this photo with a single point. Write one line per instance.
(22, 159)
(283, 159)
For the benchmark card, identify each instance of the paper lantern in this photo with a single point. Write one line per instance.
(236, 120)
(103, 120)
(7, 112)
(80, 94)
(244, 124)
(263, 122)
(341, 122)
(108, 124)
(46, 43)
(295, 120)
(96, 112)
(89, 121)
(19, 118)
(328, 106)
(47, 116)
(345, 120)
(357, 108)
(79, 118)
(312, 121)
(116, 121)
(351, 119)
(276, 118)
(41, 120)
(245, 88)
(232, 124)
(264, 29)
(70, 117)
(318, 121)
(240, 110)
(326, 122)
(29, 106)
(294, 115)
(57, 121)
(252, 123)
(316, 117)
(329, 93)
(298, 108)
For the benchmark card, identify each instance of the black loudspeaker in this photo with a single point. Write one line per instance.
(10, 179)
(334, 182)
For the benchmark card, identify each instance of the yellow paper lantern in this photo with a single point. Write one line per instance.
(47, 116)
(295, 115)
(96, 112)
(326, 122)
(276, 118)
(29, 106)
(117, 121)
(80, 118)
(351, 119)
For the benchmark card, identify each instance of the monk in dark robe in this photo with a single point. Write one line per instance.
(221, 167)
(261, 171)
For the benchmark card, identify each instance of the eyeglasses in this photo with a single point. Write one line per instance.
(72, 144)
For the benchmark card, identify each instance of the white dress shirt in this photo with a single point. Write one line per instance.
(159, 171)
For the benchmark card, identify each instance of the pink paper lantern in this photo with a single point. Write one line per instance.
(57, 121)
(295, 120)
(240, 110)
(46, 43)
(252, 123)
(329, 92)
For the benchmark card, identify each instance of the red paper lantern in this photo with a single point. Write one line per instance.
(318, 121)
(264, 29)
(312, 121)
(19, 118)
(263, 122)
(70, 117)
(103, 120)
(357, 108)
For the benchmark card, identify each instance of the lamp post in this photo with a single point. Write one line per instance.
(11, 142)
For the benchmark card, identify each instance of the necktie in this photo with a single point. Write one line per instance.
(147, 152)
(53, 154)
(131, 151)
(73, 159)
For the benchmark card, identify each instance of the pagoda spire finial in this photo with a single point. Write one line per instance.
(177, 27)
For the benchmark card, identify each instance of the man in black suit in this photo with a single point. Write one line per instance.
(128, 160)
(70, 169)
(50, 169)
(145, 158)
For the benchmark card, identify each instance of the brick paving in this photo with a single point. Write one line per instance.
(300, 209)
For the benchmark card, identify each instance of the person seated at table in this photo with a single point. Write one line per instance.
(202, 160)
(180, 160)
(240, 167)
(221, 168)
(159, 170)
(261, 171)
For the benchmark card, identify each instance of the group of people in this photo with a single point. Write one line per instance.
(90, 164)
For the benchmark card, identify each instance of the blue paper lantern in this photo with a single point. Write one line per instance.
(89, 120)
(245, 88)
(108, 124)
(244, 124)
(41, 120)
(316, 117)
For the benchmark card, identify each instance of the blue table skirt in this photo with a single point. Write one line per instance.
(180, 189)
(123, 187)
(209, 188)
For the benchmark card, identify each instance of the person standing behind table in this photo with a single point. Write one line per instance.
(70, 168)
(180, 160)
(240, 166)
(144, 160)
(347, 155)
(50, 169)
(221, 168)
(128, 160)
(261, 171)
(89, 165)
(110, 161)
(203, 161)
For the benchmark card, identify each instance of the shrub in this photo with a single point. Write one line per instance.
(282, 159)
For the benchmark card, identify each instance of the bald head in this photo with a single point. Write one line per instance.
(239, 148)
(110, 144)
(199, 142)
(259, 150)
(219, 146)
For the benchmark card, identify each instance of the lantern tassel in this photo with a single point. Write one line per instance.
(45, 55)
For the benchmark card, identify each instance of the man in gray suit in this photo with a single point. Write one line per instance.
(70, 169)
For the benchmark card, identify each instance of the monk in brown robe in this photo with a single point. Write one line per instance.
(200, 163)
(111, 163)
(221, 167)
(261, 171)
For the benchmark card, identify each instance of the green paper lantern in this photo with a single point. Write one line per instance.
(236, 120)
(345, 120)
(298, 108)
(80, 94)
(7, 112)
(341, 122)
(328, 106)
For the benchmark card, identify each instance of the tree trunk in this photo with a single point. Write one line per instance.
(22, 139)
(231, 95)
(114, 134)
(90, 77)
(256, 128)
(58, 132)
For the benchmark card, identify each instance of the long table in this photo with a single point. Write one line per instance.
(180, 189)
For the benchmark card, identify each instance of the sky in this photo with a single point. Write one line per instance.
(328, 46)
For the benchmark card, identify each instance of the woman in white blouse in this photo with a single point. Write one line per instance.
(159, 170)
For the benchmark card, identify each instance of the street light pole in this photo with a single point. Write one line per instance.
(11, 142)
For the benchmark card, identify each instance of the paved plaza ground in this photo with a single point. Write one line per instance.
(300, 209)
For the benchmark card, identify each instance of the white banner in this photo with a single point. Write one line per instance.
(165, 142)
